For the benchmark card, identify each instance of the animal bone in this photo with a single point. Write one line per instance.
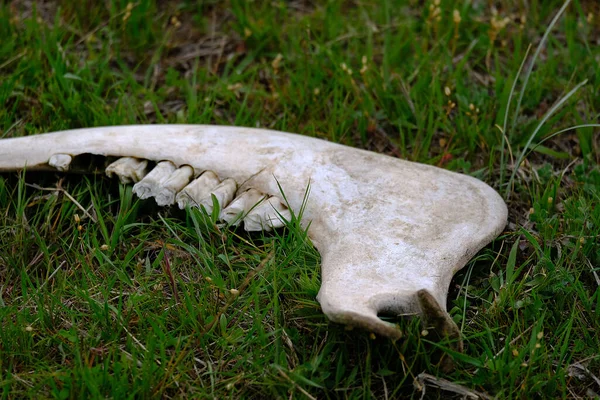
(391, 233)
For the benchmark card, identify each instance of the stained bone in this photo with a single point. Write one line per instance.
(173, 184)
(224, 193)
(151, 184)
(128, 169)
(241, 205)
(60, 161)
(196, 191)
(271, 213)
(391, 233)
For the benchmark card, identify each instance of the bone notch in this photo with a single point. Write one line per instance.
(173, 184)
(60, 161)
(151, 184)
(198, 189)
(241, 205)
(269, 214)
(128, 169)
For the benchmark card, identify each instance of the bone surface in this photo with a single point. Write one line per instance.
(128, 169)
(243, 204)
(196, 191)
(271, 213)
(391, 233)
(151, 184)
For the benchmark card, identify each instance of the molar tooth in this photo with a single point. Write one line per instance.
(198, 189)
(128, 169)
(269, 214)
(60, 161)
(224, 192)
(173, 184)
(150, 185)
(242, 204)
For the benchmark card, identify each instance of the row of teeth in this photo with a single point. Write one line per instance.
(168, 185)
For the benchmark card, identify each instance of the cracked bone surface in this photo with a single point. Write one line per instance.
(391, 233)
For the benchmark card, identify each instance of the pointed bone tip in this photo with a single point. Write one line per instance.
(352, 314)
(369, 321)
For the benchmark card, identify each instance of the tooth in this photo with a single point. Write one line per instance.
(267, 215)
(150, 185)
(197, 190)
(173, 184)
(60, 161)
(224, 192)
(128, 169)
(242, 204)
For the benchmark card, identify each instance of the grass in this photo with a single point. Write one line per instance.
(148, 302)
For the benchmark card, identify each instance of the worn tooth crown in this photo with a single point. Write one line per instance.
(391, 233)
(165, 195)
(128, 169)
(271, 213)
(242, 204)
(151, 184)
(223, 193)
(61, 162)
(198, 189)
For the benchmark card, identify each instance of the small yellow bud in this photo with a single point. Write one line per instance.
(447, 91)
(456, 17)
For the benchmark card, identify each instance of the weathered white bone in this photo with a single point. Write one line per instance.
(128, 169)
(173, 184)
(200, 188)
(151, 184)
(224, 193)
(391, 233)
(60, 161)
(271, 213)
(239, 207)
